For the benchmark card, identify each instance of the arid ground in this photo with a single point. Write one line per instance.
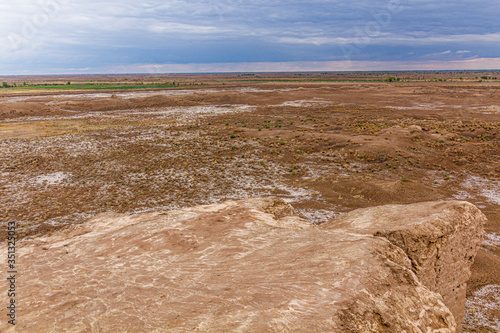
(326, 146)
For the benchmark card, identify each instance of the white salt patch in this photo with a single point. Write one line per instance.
(492, 240)
(263, 90)
(133, 94)
(179, 114)
(52, 178)
(421, 106)
(125, 95)
(488, 109)
(462, 195)
(317, 216)
(239, 185)
(301, 103)
(484, 187)
(295, 194)
(194, 111)
(137, 94)
(15, 99)
(77, 115)
(480, 310)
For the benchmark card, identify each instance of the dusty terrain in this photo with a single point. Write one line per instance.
(253, 266)
(325, 147)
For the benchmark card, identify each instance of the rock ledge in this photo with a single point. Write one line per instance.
(252, 266)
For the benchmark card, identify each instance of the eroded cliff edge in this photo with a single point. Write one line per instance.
(253, 266)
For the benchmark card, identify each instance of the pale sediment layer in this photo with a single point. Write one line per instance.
(253, 266)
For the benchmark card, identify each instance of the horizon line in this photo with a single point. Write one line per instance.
(259, 72)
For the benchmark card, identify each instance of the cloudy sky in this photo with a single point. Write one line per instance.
(152, 36)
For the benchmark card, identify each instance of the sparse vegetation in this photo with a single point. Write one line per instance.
(68, 162)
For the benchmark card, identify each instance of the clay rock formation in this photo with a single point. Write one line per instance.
(440, 238)
(252, 266)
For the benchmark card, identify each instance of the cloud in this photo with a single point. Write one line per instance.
(171, 27)
(448, 54)
(48, 34)
(478, 63)
(394, 39)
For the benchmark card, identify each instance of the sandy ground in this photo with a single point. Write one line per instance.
(327, 148)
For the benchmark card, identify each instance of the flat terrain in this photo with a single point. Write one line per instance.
(325, 145)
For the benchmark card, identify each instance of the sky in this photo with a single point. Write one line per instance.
(176, 36)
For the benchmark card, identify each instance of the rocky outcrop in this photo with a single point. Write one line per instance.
(440, 238)
(251, 266)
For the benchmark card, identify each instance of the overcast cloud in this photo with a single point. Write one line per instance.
(89, 36)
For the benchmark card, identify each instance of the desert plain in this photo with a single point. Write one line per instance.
(328, 143)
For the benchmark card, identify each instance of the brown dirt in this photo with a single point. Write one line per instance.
(327, 147)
